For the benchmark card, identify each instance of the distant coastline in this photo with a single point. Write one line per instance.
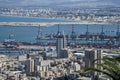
(29, 17)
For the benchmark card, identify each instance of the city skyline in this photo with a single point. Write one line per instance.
(87, 38)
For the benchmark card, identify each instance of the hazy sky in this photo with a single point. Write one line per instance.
(59, 2)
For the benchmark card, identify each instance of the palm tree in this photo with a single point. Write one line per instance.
(110, 67)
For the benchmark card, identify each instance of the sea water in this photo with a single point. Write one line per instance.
(29, 33)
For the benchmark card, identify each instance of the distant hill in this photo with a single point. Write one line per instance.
(60, 3)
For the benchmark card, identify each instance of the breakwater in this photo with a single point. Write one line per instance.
(44, 23)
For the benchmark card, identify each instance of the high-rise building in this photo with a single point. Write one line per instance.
(76, 66)
(30, 65)
(90, 56)
(22, 57)
(60, 43)
(65, 53)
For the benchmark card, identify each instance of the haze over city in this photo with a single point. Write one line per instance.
(61, 3)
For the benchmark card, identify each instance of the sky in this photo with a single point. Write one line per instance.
(65, 3)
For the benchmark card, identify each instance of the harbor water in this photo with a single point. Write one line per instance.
(28, 33)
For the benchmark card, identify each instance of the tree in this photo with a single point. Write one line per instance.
(32, 79)
(111, 67)
(8, 67)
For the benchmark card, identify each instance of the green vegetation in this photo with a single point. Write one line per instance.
(8, 67)
(110, 67)
(32, 79)
(117, 52)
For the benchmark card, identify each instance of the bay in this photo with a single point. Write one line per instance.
(4, 18)
(28, 34)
